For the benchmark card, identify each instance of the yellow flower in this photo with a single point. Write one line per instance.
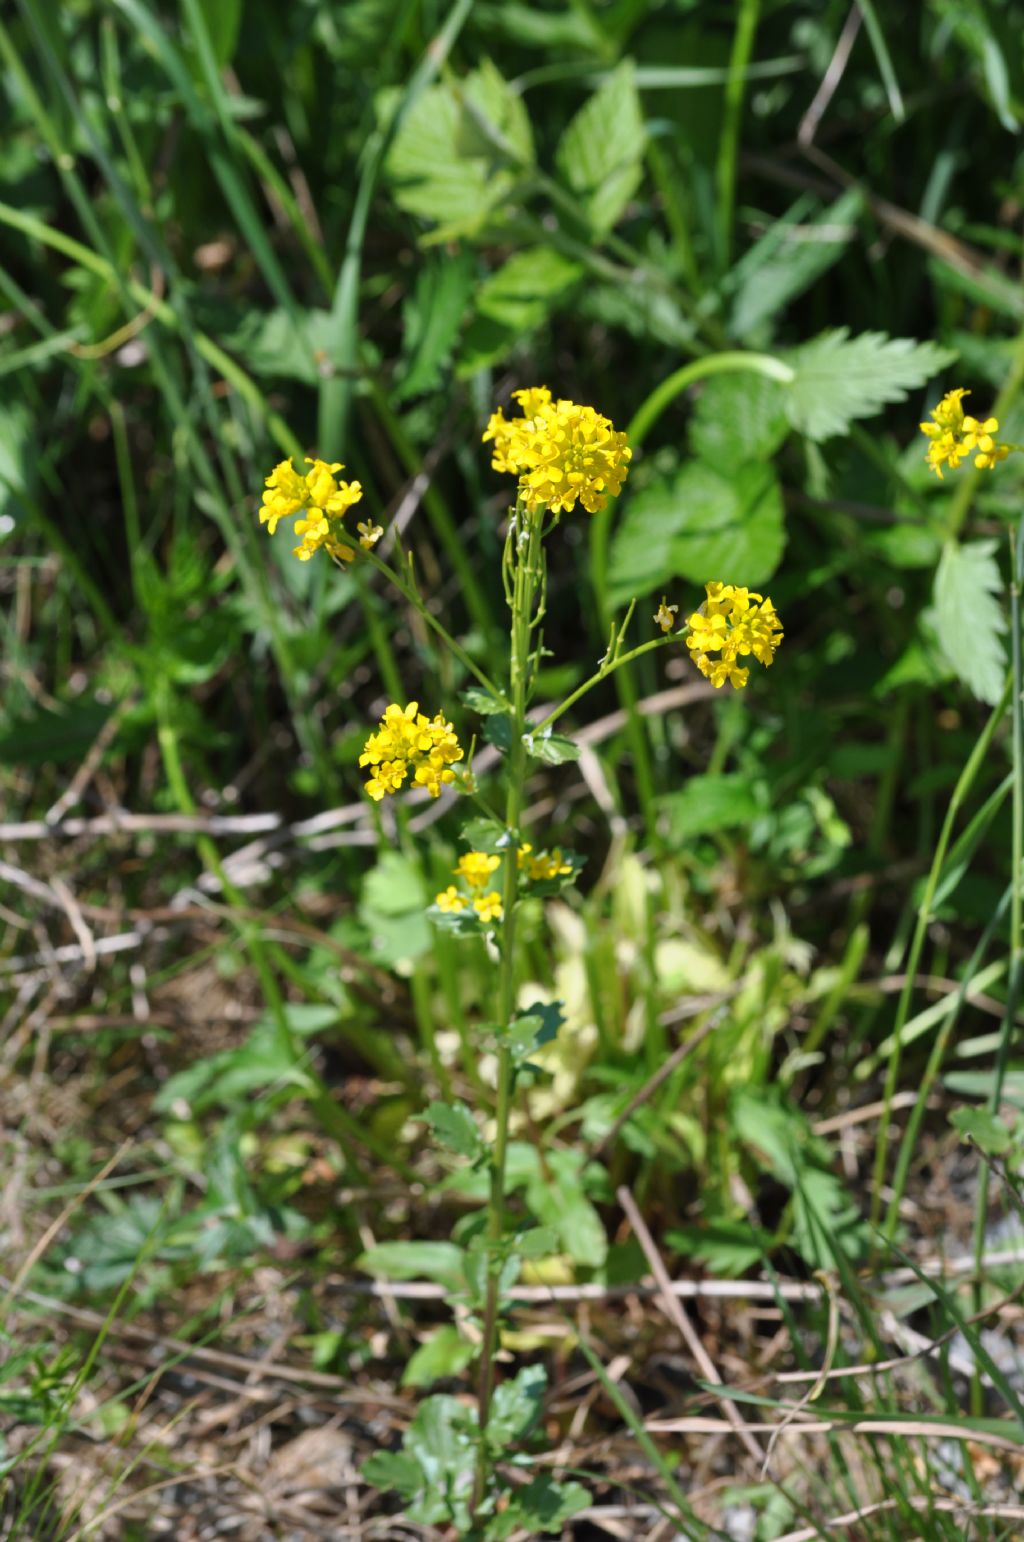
(665, 615)
(451, 901)
(320, 497)
(369, 534)
(476, 868)
(549, 864)
(561, 452)
(408, 742)
(488, 906)
(732, 622)
(954, 434)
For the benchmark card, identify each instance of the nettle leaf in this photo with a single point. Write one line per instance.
(446, 163)
(553, 749)
(696, 524)
(454, 1126)
(970, 619)
(600, 155)
(839, 378)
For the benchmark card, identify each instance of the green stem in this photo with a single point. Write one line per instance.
(526, 582)
(602, 674)
(1016, 897)
(728, 143)
(411, 595)
(924, 917)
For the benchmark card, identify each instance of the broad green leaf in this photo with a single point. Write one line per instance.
(482, 701)
(515, 1407)
(840, 378)
(738, 417)
(542, 1506)
(455, 1128)
(514, 301)
(970, 619)
(699, 524)
(986, 1129)
(394, 887)
(433, 1473)
(444, 1354)
(445, 163)
(432, 316)
(223, 1079)
(483, 834)
(705, 804)
(441, 1261)
(600, 155)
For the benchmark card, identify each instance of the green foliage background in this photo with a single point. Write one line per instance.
(234, 230)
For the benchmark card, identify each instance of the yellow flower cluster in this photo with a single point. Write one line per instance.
(408, 742)
(323, 501)
(541, 865)
(954, 434)
(475, 869)
(732, 623)
(561, 452)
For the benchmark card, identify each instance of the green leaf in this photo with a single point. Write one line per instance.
(600, 155)
(45, 737)
(432, 316)
(482, 701)
(514, 301)
(543, 1505)
(558, 1198)
(442, 163)
(738, 417)
(498, 731)
(553, 749)
(454, 1126)
(708, 803)
(223, 20)
(487, 835)
(530, 1029)
(699, 524)
(433, 1472)
(444, 1354)
(986, 1129)
(969, 617)
(395, 1471)
(441, 1261)
(728, 1248)
(515, 1407)
(224, 1079)
(839, 378)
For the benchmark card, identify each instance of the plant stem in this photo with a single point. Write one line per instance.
(526, 575)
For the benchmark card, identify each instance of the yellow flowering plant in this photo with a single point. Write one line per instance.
(565, 457)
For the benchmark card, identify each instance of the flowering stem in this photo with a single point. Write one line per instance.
(526, 573)
(409, 593)
(607, 668)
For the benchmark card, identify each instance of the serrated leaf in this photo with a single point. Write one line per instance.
(542, 1505)
(513, 301)
(552, 749)
(840, 378)
(441, 1261)
(970, 619)
(699, 524)
(444, 1354)
(600, 155)
(454, 1126)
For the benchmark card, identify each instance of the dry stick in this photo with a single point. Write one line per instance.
(830, 80)
(675, 1314)
(920, 1429)
(821, 1378)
